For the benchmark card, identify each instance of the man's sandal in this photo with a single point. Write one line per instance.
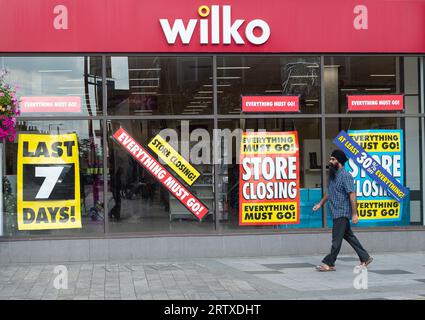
(325, 268)
(367, 262)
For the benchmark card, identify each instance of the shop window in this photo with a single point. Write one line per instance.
(139, 199)
(159, 85)
(371, 75)
(56, 86)
(395, 144)
(268, 76)
(233, 189)
(57, 181)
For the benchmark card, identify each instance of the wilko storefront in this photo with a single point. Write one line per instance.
(192, 129)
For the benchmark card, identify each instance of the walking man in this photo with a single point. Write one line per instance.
(343, 207)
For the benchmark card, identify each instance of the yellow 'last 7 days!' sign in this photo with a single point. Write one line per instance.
(48, 185)
(173, 159)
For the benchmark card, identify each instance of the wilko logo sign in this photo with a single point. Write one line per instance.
(390, 102)
(50, 104)
(270, 104)
(161, 174)
(228, 29)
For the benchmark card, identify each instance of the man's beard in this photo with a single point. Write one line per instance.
(333, 169)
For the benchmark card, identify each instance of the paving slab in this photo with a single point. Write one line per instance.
(253, 278)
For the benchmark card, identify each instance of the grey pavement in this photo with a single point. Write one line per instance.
(390, 276)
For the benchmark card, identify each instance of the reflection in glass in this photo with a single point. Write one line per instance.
(268, 75)
(159, 85)
(137, 201)
(76, 77)
(370, 75)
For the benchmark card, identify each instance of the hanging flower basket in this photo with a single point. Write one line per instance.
(8, 109)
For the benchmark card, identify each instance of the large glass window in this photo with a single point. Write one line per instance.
(268, 75)
(159, 85)
(370, 75)
(56, 86)
(137, 200)
(309, 168)
(402, 158)
(90, 162)
(170, 87)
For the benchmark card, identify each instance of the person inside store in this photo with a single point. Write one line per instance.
(342, 204)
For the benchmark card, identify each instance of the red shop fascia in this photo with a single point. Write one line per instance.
(189, 26)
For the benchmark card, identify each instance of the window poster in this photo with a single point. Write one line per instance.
(378, 173)
(48, 186)
(269, 182)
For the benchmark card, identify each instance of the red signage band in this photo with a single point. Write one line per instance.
(390, 102)
(270, 104)
(182, 26)
(50, 104)
(161, 174)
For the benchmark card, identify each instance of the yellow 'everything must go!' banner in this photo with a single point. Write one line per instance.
(378, 209)
(174, 160)
(269, 143)
(378, 142)
(48, 182)
(269, 213)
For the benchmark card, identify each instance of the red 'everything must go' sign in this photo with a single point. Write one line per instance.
(50, 104)
(389, 102)
(270, 104)
(161, 174)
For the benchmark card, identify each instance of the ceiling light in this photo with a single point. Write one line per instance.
(206, 92)
(310, 76)
(202, 98)
(378, 89)
(273, 91)
(219, 85)
(198, 106)
(144, 86)
(226, 78)
(313, 100)
(382, 75)
(349, 89)
(333, 66)
(144, 79)
(194, 110)
(147, 69)
(232, 68)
